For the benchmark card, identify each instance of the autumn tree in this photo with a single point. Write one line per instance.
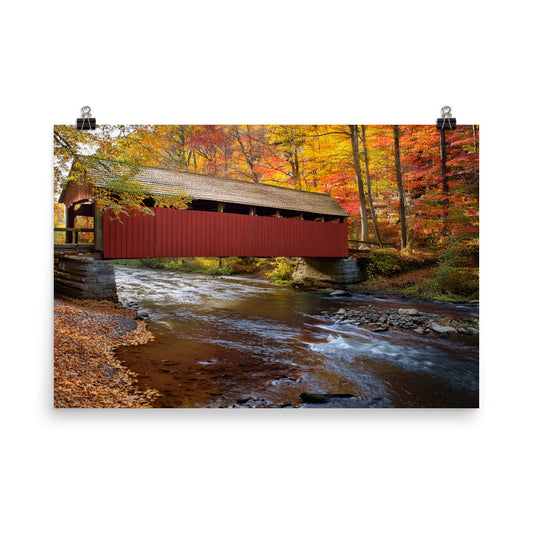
(249, 148)
(401, 195)
(354, 137)
(287, 156)
(160, 146)
(369, 186)
(442, 210)
(78, 154)
(71, 145)
(211, 148)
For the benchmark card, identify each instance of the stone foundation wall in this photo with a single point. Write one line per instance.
(85, 277)
(325, 272)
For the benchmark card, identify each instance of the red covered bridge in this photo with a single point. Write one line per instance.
(225, 218)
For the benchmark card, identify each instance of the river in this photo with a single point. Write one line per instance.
(245, 342)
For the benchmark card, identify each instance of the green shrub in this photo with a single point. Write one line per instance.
(204, 265)
(152, 263)
(282, 273)
(383, 263)
(458, 272)
(457, 281)
(461, 254)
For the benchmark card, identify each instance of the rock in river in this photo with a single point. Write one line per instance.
(308, 397)
(438, 328)
(410, 312)
(339, 292)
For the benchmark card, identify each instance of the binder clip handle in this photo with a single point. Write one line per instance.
(86, 122)
(446, 122)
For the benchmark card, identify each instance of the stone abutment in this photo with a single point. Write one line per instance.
(85, 277)
(326, 272)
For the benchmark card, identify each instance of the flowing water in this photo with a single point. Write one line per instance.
(245, 342)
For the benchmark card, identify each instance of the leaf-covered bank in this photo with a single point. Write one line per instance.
(86, 373)
(453, 277)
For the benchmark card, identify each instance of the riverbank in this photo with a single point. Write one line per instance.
(449, 276)
(86, 372)
(418, 284)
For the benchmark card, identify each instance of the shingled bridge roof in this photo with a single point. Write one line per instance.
(217, 189)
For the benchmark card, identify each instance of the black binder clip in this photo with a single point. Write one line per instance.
(86, 122)
(446, 122)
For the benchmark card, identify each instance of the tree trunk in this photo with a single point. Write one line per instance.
(354, 136)
(443, 169)
(445, 186)
(296, 169)
(369, 189)
(400, 186)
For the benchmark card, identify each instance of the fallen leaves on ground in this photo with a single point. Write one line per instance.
(86, 373)
(408, 279)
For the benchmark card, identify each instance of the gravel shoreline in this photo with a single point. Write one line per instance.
(86, 372)
(380, 320)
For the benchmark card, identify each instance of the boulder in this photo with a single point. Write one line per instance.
(439, 328)
(410, 312)
(308, 397)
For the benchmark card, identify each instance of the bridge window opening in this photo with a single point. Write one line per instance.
(238, 209)
(84, 222)
(265, 212)
(334, 220)
(204, 205)
(79, 216)
(287, 213)
(310, 216)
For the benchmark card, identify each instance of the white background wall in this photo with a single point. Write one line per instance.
(270, 62)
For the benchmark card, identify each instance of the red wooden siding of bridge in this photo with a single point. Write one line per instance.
(188, 233)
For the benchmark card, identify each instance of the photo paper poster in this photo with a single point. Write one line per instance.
(266, 266)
